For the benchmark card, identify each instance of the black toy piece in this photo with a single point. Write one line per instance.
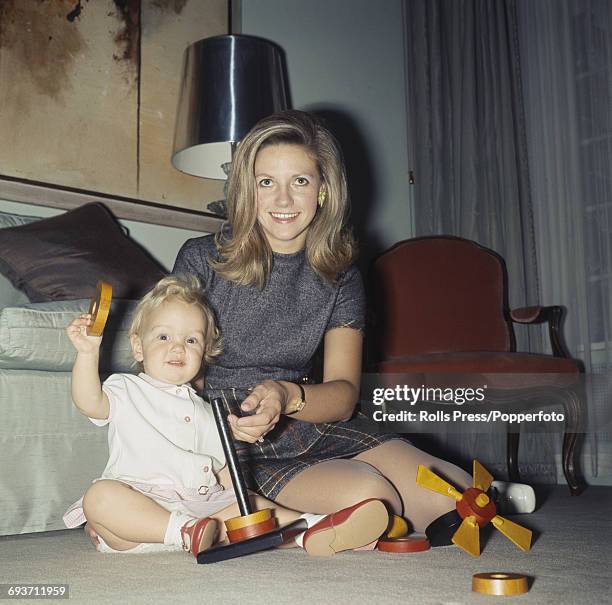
(271, 539)
(440, 531)
(232, 458)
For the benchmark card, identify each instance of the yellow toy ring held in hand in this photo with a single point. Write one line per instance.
(99, 308)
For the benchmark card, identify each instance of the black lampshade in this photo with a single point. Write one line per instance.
(228, 84)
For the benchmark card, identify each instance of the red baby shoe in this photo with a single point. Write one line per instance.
(199, 536)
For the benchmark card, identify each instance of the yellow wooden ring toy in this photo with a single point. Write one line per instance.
(250, 531)
(243, 521)
(499, 583)
(99, 308)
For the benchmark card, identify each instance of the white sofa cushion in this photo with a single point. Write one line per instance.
(33, 336)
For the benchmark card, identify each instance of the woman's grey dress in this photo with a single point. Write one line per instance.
(273, 334)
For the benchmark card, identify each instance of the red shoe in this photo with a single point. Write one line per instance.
(199, 536)
(347, 529)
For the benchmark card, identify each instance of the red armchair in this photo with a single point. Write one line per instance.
(441, 310)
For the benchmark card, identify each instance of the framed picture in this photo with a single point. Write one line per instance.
(88, 96)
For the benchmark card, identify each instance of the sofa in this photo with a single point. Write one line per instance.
(49, 452)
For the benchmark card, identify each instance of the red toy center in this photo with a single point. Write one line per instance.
(467, 507)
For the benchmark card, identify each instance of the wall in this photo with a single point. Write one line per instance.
(111, 75)
(161, 242)
(345, 59)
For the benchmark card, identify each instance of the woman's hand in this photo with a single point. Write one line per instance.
(267, 400)
(77, 332)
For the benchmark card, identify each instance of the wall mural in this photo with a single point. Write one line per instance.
(89, 90)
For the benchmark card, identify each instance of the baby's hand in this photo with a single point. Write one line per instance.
(77, 332)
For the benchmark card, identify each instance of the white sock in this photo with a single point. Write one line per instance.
(173, 530)
(311, 519)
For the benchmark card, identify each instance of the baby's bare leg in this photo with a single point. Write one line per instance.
(122, 516)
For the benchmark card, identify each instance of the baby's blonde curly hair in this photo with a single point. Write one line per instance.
(186, 288)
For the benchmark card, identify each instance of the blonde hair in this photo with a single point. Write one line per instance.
(187, 289)
(245, 256)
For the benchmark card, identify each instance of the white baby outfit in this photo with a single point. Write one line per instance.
(162, 441)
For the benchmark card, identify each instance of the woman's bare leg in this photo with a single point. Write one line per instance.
(387, 472)
(353, 532)
(332, 485)
(398, 461)
(123, 516)
(315, 490)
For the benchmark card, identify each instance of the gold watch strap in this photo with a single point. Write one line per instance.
(296, 406)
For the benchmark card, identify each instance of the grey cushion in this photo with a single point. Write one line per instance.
(9, 295)
(63, 257)
(33, 336)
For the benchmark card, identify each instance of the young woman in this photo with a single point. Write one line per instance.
(281, 281)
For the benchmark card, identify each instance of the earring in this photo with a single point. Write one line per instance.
(322, 197)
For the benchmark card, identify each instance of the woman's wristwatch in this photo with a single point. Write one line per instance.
(297, 405)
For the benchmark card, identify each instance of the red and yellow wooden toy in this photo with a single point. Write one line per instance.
(476, 509)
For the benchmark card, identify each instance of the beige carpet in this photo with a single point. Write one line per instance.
(569, 563)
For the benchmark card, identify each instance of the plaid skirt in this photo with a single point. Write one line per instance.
(293, 445)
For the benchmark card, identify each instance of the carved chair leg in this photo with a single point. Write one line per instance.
(512, 445)
(575, 424)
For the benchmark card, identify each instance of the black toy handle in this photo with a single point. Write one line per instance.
(230, 455)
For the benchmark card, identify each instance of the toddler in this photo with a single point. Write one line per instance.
(160, 489)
